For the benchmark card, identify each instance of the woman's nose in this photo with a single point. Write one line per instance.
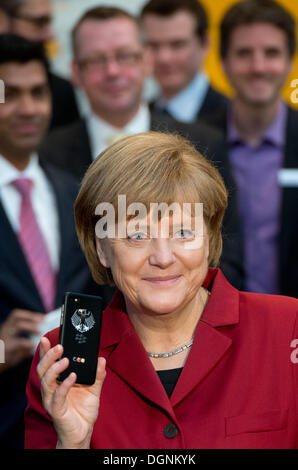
(161, 252)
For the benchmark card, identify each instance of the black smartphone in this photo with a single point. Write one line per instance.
(79, 335)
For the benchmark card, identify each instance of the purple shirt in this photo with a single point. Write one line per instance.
(255, 169)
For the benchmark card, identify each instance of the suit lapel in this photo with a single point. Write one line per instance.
(128, 358)
(138, 371)
(208, 102)
(210, 344)
(82, 143)
(15, 270)
(208, 349)
(79, 151)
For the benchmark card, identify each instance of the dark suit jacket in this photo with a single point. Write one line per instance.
(288, 246)
(18, 289)
(212, 102)
(65, 108)
(70, 149)
(235, 391)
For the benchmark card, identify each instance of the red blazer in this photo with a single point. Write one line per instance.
(238, 388)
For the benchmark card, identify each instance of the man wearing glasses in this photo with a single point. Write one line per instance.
(32, 19)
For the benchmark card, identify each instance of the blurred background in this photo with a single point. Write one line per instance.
(67, 12)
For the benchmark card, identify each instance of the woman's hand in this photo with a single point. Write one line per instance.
(73, 407)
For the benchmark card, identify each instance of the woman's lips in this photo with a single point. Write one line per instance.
(162, 280)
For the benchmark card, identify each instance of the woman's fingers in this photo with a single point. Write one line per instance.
(60, 395)
(50, 377)
(50, 385)
(45, 345)
(100, 376)
(101, 370)
(48, 357)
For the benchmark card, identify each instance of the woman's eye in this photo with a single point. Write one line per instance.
(138, 236)
(183, 234)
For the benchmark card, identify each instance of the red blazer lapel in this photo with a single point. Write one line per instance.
(127, 356)
(207, 350)
(210, 344)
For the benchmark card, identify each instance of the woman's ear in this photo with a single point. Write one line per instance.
(101, 253)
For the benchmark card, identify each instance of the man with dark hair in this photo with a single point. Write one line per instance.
(257, 46)
(31, 19)
(257, 11)
(177, 33)
(40, 257)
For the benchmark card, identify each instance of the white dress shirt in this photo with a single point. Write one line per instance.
(43, 202)
(100, 131)
(185, 105)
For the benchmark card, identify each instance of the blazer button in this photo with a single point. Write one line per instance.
(170, 431)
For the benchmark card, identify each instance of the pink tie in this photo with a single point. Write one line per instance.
(34, 247)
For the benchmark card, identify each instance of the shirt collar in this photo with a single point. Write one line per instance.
(275, 133)
(9, 172)
(185, 105)
(99, 130)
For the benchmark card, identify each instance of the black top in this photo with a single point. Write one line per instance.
(169, 378)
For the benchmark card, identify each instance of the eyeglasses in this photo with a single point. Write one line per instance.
(38, 22)
(100, 61)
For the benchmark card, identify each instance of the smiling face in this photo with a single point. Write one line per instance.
(257, 62)
(25, 114)
(156, 275)
(110, 65)
(177, 51)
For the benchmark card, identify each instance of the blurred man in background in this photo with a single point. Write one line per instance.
(32, 19)
(257, 44)
(40, 257)
(176, 33)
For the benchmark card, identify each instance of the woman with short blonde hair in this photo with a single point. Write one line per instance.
(151, 167)
(186, 361)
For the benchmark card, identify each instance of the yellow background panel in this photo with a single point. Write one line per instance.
(215, 10)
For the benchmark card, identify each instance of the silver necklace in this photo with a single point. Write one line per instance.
(182, 348)
(172, 353)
